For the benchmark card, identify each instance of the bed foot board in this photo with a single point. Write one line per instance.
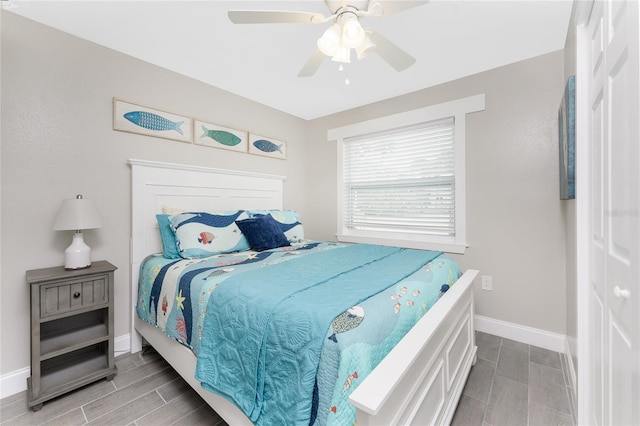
(420, 382)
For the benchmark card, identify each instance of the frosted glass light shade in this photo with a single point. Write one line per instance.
(352, 33)
(76, 214)
(330, 40)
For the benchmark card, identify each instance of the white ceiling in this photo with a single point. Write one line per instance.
(449, 38)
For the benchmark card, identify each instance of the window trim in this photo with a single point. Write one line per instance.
(458, 109)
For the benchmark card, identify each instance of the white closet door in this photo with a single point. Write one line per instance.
(614, 214)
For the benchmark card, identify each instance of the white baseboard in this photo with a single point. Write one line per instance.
(16, 381)
(122, 344)
(520, 333)
(572, 369)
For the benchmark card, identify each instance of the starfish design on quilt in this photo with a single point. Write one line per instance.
(180, 299)
(252, 256)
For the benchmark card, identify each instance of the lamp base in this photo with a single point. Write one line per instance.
(78, 254)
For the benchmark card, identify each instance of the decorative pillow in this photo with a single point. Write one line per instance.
(169, 247)
(263, 232)
(289, 221)
(174, 211)
(200, 234)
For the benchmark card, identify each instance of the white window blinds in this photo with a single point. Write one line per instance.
(401, 180)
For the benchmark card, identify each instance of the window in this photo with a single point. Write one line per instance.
(401, 178)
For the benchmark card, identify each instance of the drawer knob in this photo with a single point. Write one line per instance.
(76, 294)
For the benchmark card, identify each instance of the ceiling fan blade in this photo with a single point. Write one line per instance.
(394, 6)
(392, 54)
(312, 64)
(274, 17)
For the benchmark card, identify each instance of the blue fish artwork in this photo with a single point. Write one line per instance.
(152, 121)
(267, 146)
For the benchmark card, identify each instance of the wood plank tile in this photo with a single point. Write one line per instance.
(541, 415)
(173, 389)
(512, 344)
(545, 357)
(513, 364)
(488, 346)
(145, 370)
(478, 384)
(547, 388)
(203, 416)
(130, 411)
(123, 396)
(66, 403)
(470, 412)
(173, 411)
(72, 418)
(508, 404)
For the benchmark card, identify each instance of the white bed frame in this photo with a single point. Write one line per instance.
(421, 379)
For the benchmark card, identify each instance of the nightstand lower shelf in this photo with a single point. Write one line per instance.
(74, 370)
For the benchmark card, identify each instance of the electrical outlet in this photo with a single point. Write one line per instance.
(487, 282)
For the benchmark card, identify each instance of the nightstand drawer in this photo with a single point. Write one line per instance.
(56, 298)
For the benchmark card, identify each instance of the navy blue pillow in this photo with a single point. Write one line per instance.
(263, 233)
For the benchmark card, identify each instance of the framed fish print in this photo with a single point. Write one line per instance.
(215, 136)
(132, 118)
(567, 140)
(269, 147)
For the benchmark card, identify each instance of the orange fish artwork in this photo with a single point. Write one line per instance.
(164, 304)
(206, 237)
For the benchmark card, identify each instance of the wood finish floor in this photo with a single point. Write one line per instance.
(511, 384)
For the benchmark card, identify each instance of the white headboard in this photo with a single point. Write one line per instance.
(194, 188)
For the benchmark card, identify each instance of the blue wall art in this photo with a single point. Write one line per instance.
(567, 140)
(213, 135)
(269, 147)
(132, 118)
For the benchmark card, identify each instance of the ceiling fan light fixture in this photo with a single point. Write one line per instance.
(352, 32)
(366, 47)
(329, 43)
(343, 55)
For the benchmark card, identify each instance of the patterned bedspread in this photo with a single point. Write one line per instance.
(175, 296)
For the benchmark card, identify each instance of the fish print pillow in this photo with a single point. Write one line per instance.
(289, 221)
(201, 234)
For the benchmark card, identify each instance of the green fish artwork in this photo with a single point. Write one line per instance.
(221, 136)
(348, 320)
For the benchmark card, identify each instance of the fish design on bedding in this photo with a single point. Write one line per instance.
(216, 221)
(349, 381)
(267, 146)
(152, 121)
(206, 237)
(220, 136)
(346, 321)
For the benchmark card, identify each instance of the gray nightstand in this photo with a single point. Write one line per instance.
(71, 329)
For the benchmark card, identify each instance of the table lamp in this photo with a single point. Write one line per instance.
(77, 214)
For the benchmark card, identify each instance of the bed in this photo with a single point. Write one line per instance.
(419, 379)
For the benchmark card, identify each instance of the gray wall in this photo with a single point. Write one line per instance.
(57, 141)
(515, 219)
(569, 212)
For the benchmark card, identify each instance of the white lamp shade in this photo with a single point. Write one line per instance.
(77, 213)
(343, 55)
(352, 33)
(330, 40)
(366, 47)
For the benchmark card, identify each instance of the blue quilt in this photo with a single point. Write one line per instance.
(310, 346)
(266, 322)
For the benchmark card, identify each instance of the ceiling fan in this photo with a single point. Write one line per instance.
(346, 32)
